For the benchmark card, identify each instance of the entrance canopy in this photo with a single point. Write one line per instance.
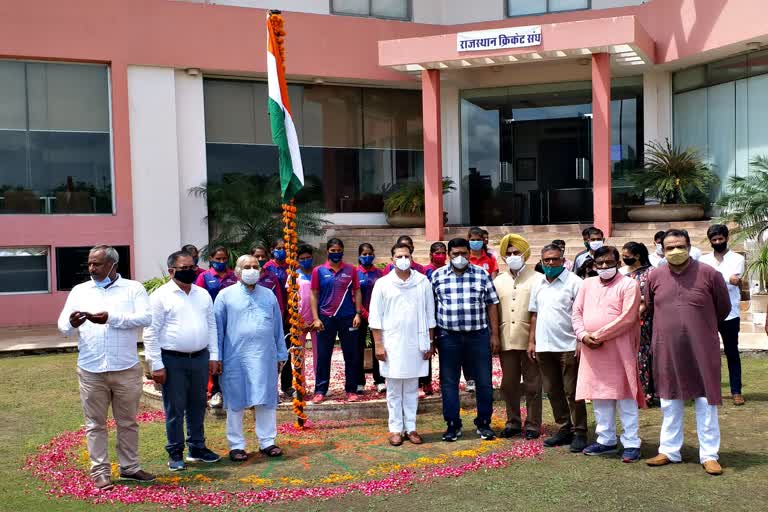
(622, 37)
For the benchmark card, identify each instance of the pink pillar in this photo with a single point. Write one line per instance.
(601, 141)
(433, 170)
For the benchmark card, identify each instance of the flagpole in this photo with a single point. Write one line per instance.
(289, 187)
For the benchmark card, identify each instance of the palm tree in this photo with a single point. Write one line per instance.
(245, 210)
(672, 174)
(745, 204)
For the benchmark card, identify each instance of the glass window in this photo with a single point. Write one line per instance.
(72, 265)
(24, 270)
(567, 5)
(55, 144)
(355, 142)
(758, 63)
(689, 78)
(523, 7)
(397, 9)
(389, 8)
(727, 70)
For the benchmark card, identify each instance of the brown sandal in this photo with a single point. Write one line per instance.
(238, 455)
(738, 400)
(272, 451)
(395, 439)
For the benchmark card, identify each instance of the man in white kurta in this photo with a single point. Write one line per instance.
(402, 319)
(252, 350)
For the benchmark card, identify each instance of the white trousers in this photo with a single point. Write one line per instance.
(707, 429)
(402, 402)
(605, 422)
(265, 423)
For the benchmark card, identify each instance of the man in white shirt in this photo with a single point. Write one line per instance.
(552, 342)
(108, 312)
(657, 254)
(595, 240)
(731, 266)
(403, 341)
(181, 344)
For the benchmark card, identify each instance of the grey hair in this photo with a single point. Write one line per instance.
(108, 250)
(240, 262)
(551, 247)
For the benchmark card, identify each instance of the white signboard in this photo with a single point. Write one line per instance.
(498, 39)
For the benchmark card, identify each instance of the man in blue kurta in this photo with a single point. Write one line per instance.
(252, 351)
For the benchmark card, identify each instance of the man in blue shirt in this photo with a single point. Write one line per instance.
(468, 318)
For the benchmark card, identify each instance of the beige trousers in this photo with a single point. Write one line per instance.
(123, 390)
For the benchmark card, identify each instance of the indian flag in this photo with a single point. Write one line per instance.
(283, 129)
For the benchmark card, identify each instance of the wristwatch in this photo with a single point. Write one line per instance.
(358, 312)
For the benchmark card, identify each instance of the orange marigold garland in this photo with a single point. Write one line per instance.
(291, 238)
(276, 28)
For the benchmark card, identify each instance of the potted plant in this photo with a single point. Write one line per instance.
(757, 269)
(674, 176)
(744, 205)
(404, 203)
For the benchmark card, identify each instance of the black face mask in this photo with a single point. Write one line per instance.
(185, 276)
(630, 261)
(720, 247)
(592, 273)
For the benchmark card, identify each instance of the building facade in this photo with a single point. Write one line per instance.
(111, 111)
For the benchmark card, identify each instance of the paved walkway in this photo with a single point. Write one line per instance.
(30, 339)
(47, 338)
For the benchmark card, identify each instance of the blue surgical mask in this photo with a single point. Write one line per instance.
(475, 245)
(106, 281)
(279, 254)
(335, 257)
(553, 272)
(366, 261)
(306, 264)
(219, 266)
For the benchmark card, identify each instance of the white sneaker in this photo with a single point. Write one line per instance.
(215, 402)
(381, 388)
(360, 389)
(470, 386)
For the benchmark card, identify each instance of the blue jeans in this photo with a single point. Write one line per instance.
(184, 394)
(472, 350)
(326, 339)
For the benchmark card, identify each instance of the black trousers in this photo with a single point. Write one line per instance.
(286, 375)
(362, 336)
(729, 330)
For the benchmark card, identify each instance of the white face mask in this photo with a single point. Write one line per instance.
(250, 276)
(459, 262)
(403, 263)
(514, 262)
(659, 250)
(595, 244)
(606, 274)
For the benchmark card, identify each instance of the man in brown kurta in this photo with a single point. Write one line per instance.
(689, 299)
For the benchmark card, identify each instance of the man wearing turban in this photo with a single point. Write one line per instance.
(514, 290)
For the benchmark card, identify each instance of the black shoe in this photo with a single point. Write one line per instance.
(579, 443)
(452, 434)
(531, 434)
(486, 433)
(204, 455)
(510, 432)
(559, 439)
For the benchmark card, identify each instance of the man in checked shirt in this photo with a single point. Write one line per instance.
(468, 318)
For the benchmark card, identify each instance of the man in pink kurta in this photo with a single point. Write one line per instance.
(606, 321)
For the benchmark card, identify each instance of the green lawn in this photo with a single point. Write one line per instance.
(41, 400)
